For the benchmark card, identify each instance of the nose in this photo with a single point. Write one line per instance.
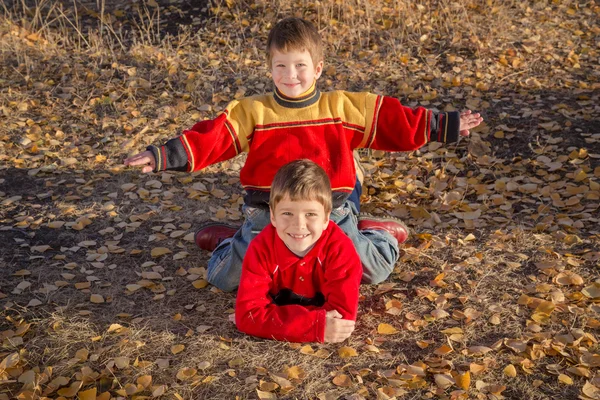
(291, 72)
(300, 221)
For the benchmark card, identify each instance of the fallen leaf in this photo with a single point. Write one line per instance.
(342, 380)
(347, 352)
(510, 371)
(97, 299)
(386, 329)
(159, 251)
(566, 379)
(178, 348)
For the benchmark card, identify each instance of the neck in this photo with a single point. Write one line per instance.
(307, 98)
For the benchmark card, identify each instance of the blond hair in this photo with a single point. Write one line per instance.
(301, 180)
(295, 34)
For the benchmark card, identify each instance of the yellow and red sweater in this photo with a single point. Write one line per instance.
(322, 126)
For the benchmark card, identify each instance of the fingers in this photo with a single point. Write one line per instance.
(145, 159)
(333, 314)
(339, 330)
(138, 159)
(231, 317)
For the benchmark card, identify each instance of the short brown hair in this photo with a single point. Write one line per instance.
(301, 180)
(295, 34)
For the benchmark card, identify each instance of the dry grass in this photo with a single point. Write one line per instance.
(82, 86)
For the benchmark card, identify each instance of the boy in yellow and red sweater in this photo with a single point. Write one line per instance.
(298, 121)
(301, 275)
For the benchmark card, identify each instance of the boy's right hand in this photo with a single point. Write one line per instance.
(145, 158)
(336, 328)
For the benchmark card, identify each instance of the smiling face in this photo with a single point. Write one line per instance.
(294, 71)
(299, 223)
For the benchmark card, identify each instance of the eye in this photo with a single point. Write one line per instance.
(309, 215)
(287, 213)
(301, 65)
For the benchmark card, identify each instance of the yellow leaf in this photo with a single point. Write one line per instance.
(70, 391)
(114, 328)
(510, 371)
(347, 352)
(178, 348)
(200, 283)
(186, 373)
(307, 349)
(386, 329)
(56, 224)
(159, 251)
(96, 298)
(463, 380)
(89, 394)
(566, 379)
(295, 372)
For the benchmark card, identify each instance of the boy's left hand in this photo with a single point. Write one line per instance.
(468, 121)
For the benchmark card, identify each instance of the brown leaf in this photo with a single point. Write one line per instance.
(342, 380)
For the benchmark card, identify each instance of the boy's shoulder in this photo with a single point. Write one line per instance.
(343, 96)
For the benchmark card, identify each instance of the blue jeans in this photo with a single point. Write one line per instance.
(377, 249)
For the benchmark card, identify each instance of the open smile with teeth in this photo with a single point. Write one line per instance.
(298, 236)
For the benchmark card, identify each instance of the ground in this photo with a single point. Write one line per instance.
(103, 291)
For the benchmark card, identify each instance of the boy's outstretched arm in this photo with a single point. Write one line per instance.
(468, 121)
(144, 159)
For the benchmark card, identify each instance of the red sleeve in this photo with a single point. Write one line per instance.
(401, 128)
(256, 315)
(207, 142)
(210, 142)
(343, 272)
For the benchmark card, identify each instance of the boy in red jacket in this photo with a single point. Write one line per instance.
(298, 121)
(301, 274)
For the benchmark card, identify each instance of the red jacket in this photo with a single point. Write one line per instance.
(329, 272)
(323, 127)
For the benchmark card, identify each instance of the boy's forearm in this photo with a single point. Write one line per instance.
(401, 128)
(292, 323)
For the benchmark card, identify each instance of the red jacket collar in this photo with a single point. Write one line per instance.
(286, 258)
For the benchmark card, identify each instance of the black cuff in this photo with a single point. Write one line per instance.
(444, 127)
(170, 156)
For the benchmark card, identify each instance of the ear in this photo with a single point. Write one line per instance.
(272, 217)
(327, 220)
(318, 70)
